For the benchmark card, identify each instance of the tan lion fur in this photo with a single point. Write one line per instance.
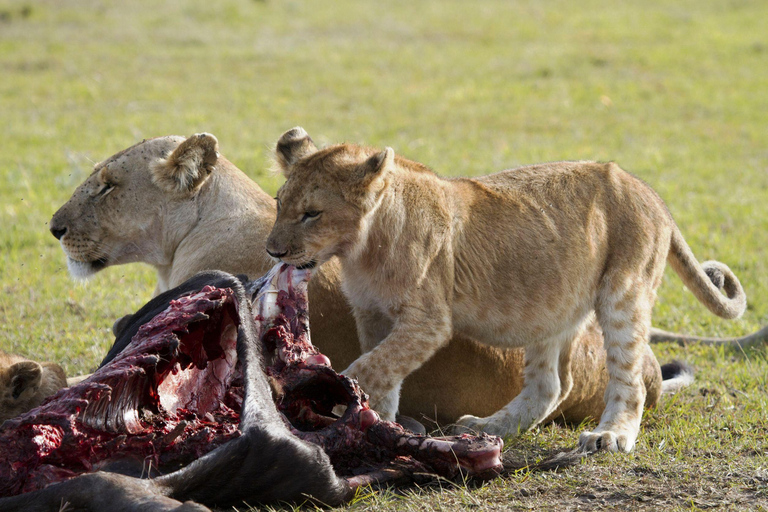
(164, 210)
(24, 384)
(520, 258)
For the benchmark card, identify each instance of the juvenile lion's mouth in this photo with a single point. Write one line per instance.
(308, 265)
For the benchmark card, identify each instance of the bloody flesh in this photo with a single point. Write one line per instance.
(176, 392)
(166, 400)
(307, 389)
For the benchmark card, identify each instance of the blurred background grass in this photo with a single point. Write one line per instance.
(675, 92)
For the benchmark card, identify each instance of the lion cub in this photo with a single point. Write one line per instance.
(25, 384)
(521, 258)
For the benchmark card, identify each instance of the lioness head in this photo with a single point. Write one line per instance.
(115, 216)
(322, 206)
(25, 384)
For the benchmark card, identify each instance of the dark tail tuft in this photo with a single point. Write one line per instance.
(676, 376)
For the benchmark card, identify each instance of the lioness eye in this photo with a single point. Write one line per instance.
(310, 215)
(105, 189)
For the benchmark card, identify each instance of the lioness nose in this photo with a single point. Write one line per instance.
(58, 232)
(276, 254)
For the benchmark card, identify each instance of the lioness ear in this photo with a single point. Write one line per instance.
(190, 164)
(292, 146)
(25, 375)
(377, 163)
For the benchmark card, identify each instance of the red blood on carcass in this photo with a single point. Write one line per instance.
(167, 399)
(176, 392)
(359, 442)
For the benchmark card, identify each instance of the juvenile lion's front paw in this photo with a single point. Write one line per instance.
(359, 371)
(381, 398)
(496, 425)
(612, 441)
(468, 424)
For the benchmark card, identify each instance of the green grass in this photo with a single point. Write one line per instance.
(675, 92)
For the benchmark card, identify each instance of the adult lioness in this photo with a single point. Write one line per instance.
(179, 206)
(518, 258)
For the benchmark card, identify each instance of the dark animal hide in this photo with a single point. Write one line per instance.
(261, 463)
(172, 389)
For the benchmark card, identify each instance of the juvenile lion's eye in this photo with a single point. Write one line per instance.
(311, 214)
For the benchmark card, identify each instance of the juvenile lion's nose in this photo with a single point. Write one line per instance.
(58, 232)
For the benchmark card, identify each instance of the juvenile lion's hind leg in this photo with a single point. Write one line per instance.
(625, 318)
(547, 382)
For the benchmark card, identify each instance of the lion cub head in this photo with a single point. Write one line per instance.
(117, 214)
(25, 384)
(327, 195)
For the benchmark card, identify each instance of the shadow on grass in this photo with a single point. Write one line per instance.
(551, 459)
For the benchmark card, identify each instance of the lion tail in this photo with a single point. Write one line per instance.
(675, 376)
(755, 339)
(707, 280)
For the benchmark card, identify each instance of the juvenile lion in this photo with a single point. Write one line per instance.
(175, 203)
(25, 384)
(519, 258)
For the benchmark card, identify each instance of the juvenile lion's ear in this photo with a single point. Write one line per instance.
(190, 164)
(292, 146)
(377, 163)
(25, 375)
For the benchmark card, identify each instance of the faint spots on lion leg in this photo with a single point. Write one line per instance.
(625, 320)
(546, 362)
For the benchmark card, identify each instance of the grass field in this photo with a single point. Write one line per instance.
(675, 92)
